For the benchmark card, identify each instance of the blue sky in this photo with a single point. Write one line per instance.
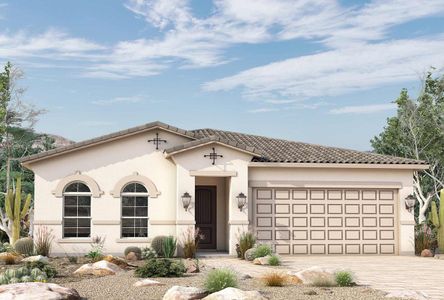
(319, 71)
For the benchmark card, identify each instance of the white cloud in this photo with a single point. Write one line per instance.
(363, 109)
(118, 100)
(262, 110)
(50, 45)
(337, 71)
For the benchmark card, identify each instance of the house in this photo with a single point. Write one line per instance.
(156, 179)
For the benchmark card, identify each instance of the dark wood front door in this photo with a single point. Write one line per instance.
(206, 215)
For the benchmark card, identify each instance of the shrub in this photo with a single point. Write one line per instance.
(49, 271)
(274, 279)
(43, 240)
(323, 281)
(6, 247)
(148, 253)
(262, 251)
(8, 259)
(24, 246)
(135, 250)
(246, 241)
(169, 246)
(274, 260)
(161, 267)
(425, 237)
(190, 242)
(94, 255)
(72, 259)
(344, 278)
(96, 252)
(219, 279)
(238, 251)
(157, 244)
(249, 254)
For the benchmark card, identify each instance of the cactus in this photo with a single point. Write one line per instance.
(437, 219)
(14, 280)
(4, 279)
(26, 279)
(14, 210)
(157, 244)
(36, 272)
(24, 246)
(137, 251)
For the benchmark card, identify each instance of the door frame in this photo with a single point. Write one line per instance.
(214, 215)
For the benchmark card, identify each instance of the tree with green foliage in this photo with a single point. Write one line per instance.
(17, 136)
(417, 131)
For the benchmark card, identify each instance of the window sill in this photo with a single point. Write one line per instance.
(74, 240)
(134, 240)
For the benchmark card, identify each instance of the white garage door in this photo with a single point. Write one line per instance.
(326, 221)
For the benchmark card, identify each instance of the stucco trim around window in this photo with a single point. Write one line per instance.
(78, 177)
(153, 192)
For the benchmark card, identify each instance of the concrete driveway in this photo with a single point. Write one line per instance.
(386, 273)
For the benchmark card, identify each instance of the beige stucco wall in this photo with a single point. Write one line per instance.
(107, 164)
(342, 177)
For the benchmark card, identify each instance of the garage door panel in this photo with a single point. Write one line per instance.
(326, 221)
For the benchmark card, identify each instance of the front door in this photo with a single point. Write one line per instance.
(206, 215)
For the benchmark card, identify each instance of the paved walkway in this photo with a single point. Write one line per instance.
(386, 273)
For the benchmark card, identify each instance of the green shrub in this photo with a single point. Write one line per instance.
(157, 244)
(262, 251)
(148, 253)
(49, 271)
(219, 279)
(24, 246)
(94, 255)
(169, 246)
(6, 247)
(246, 241)
(161, 267)
(274, 260)
(344, 278)
(137, 251)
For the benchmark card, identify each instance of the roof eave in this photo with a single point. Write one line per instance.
(340, 165)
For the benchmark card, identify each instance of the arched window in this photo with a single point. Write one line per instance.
(134, 211)
(77, 210)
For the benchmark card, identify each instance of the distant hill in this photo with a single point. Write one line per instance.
(60, 141)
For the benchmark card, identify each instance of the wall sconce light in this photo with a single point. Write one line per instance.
(186, 200)
(410, 201)
(241, 201)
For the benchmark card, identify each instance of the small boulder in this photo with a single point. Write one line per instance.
(184, 293)
(100, 268)
(309, 275)
(249, 254)
(147, 282)
(35, 258)
(116, 260)
(261, 260)
(233, 293)
(426, 253)
(132, 256)
(37, 290)
(244, 276)
(408, 294)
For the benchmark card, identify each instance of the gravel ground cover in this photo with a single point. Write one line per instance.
(121, 287)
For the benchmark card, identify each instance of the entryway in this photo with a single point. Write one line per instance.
(211, 213)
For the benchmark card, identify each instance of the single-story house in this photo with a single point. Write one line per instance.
(156, 179)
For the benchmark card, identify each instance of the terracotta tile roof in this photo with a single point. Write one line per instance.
(213, 138)
(278, 150)
(263, 148)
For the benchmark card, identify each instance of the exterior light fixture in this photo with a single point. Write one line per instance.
(410, 201)
(241, 201)
(186, 200)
